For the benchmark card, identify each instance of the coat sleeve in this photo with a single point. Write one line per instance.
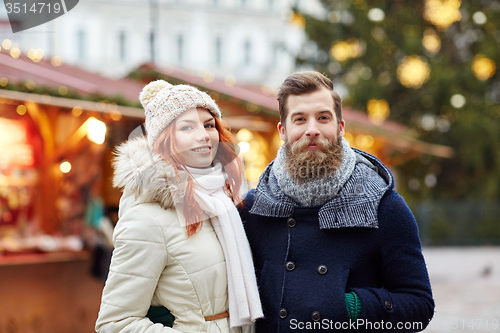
(138, 260)
(406, 298)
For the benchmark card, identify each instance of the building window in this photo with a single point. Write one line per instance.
(152, 38)
(180, 49)
(50, 44)
(122, 45)
(276, 51)
(218, 51)
(246, 53)
(80, 38)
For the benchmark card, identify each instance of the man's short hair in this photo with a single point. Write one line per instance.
(303, 83)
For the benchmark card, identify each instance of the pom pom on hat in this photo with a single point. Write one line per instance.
(163, 102)
(149, 91)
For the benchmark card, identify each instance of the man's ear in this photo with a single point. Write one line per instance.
(281, 130)
(342, 128)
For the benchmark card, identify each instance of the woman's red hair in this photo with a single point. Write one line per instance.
(227, 155)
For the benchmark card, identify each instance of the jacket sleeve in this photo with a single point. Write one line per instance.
(406, 298)
(138, 260)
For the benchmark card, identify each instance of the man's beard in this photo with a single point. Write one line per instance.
(303, 164)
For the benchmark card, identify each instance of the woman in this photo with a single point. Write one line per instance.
(179, 242)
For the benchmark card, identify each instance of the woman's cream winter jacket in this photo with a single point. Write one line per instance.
(154, 262)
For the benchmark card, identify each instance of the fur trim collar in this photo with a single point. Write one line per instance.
(144, 174)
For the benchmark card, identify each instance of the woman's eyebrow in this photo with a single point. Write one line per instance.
(187, 121)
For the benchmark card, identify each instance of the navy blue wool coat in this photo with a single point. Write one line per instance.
(307, 258)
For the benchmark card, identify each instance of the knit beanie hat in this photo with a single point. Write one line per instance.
(163, 102)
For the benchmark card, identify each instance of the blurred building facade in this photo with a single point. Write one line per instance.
(254, 42)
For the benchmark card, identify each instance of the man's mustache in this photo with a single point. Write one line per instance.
(300, 145)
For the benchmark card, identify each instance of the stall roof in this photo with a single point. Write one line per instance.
(44, 73)
(71, 103)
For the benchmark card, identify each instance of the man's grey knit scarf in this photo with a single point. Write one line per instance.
(317, 191)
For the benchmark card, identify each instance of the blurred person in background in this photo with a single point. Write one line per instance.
(179, 242)
(99, 233)
(334, 245)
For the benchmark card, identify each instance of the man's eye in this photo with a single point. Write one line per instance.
(299, 119)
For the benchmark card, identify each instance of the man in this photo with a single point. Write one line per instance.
(334, 246)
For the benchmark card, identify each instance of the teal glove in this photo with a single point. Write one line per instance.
(353, 305)
(160, 315)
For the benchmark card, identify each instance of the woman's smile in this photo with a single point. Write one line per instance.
(203, 150)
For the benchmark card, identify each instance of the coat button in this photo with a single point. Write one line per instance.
(290, 266)
(322, 269)
(316, 316)
(283, 313)
(388, 305)
(291, 222)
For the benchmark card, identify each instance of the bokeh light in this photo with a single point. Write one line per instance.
(431, 41)
(30, 84)
(76, 111)
(96, 130)
(413, 184)
(230, 80)
(376, 15)
(56, 61)
(65, 167)
(483, 68)
(244, 146)
(430, 180)
(267, 90)
(298, 20)
(378, 110)
(364, 141)
(349, 137)
(115, 115)
(344, 50)
(244, 135)
(215, 96)
(413, 72)
(428, 122)
(6, 44)
(63, 90)
(457, 101)
(15, 52)
(479, 18)
(442, 13)
(35, 55)
(21, 109)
